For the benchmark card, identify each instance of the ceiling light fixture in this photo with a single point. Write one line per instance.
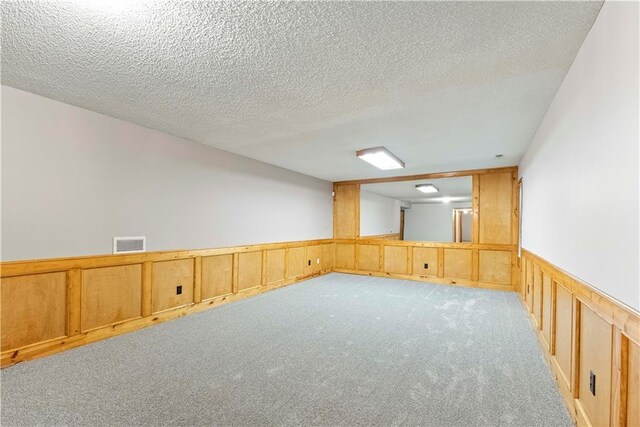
(427, 188)
(381, 158)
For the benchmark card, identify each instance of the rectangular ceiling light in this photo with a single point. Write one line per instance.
(381, 158)
(427, 188)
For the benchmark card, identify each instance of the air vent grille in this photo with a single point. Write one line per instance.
(128, 244)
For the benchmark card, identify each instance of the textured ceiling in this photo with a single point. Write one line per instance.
(458, 187)
(303, 85)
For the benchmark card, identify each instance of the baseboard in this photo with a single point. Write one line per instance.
(430, 279)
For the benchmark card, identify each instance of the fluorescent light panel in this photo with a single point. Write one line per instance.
(427, 188)
(381, 158)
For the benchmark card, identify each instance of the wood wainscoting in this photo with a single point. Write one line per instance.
(56, 304)
(467, 264)
(390, 236)
(583, 333)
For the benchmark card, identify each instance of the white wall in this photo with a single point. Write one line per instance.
(378, 214)
(431, 222)
(580, 174)
(73, 179)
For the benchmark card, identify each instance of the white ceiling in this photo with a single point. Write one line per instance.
(303, 85)
(458, 188)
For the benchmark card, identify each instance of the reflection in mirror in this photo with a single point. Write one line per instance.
(436, 210)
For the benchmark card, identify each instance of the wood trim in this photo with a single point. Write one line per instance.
(390, 236)
(434, 175)
(416, 244)
(147, 272)
(50, 265)
(197, 280)
(475, 207)
(74, 301)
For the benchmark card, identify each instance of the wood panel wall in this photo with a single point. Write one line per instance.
(445, 263)
(582, 333)
(53, 305)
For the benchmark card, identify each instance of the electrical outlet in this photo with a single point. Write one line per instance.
(179, 290)
(309, 262)
(426, 265)
(592, 382)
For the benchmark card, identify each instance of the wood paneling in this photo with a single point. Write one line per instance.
(563, 331)
(368, 257)
(457, 263)
(326, 261)
(345, 256)
(249, 270)
(632, 404)
(295, 262)
(495, 210)
(313, 260)
(396, 259)
(275, 266)
(111, 295)
(495, 267)
(217, 276)
(547, 313)
(346, 211)
(537, 295)
(428, 256)
(529, 284)
(33, 309)
(595, 357)
(53, 305)
(165, 278)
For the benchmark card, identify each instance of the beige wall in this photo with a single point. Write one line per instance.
(73, 179)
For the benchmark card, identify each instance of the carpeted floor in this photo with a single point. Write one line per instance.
(335, 350)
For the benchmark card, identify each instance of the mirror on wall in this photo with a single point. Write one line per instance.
(433, 210)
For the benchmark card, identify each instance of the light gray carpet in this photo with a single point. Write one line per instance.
(335, 350)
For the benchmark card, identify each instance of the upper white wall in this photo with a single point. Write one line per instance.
(580, 174)
(378, 214)
(73, 179)
(431, 222)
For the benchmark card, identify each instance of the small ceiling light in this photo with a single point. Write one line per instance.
(427, 188)
(381, 158)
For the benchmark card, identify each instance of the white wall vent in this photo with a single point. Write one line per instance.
(129, 244)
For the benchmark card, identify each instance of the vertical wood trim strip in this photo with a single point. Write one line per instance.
(619, 378)
(575, 348)
(475, 264)
(381, 258)
(236, 266)
(264, 267)
(74, 301)
(286, 264)
(410, 260)
(357, 210)
(475, 206)
(147, 271)
(197, 279)
(552, 338)
(515, 210)
(440, 262)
